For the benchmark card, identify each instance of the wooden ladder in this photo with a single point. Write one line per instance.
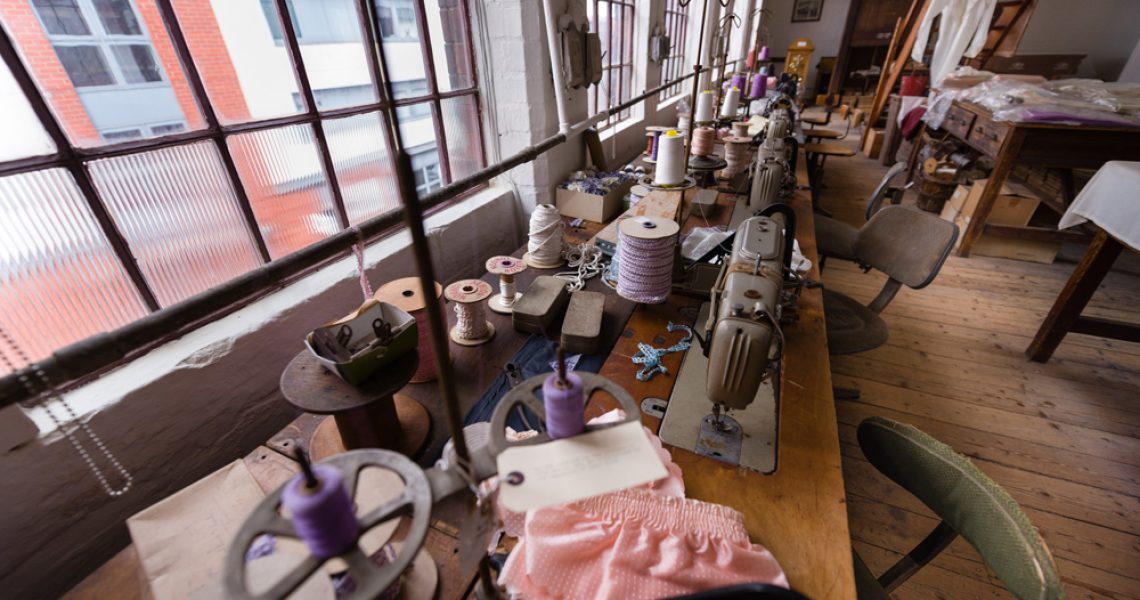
(1006, 29)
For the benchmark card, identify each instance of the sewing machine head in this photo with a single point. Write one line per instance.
(744, 341)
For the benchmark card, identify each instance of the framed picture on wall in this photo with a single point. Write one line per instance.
(807, 10)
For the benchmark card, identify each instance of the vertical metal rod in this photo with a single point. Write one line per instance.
(75, 166)
(198, 89)
(294, 46)
(696, 83)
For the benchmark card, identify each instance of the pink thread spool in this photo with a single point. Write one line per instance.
(407, 295)
(763, 53)
(703, 141)
(322, 514)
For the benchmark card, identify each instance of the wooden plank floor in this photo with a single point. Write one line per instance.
(1063, 438)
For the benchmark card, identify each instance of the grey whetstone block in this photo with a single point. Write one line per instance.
(541, 304)
(582, 328)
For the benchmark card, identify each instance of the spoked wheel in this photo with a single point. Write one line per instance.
(414, 502)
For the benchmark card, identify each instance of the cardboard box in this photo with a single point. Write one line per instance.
(1007, 247)
(1014, 205)
(600, 209)
(954, 205)
(873, 143)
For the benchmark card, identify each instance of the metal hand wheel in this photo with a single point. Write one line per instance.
(415, 501)
(523, 395)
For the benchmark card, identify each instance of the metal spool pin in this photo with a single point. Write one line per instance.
(470, 292)
(506, 267)
(371, 415)
(413, 503)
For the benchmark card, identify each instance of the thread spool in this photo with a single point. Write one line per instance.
(655, 132)
(703, 139)
(738, 80)
(544, 245)
(472, 327)
(506, 267)
(321, 511)
(705, 107)
(731, 104)
(407, 295)
(740, 129)
(636, 193)
(763, 53)
(648, 144)
(759, 89)
(735, 154)
(646, 247)
(564, 402)
(670, 159)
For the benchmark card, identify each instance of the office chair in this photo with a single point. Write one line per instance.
(907, 244)
(969, 503)
(836, 239)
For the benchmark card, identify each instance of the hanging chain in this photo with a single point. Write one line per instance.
(54, 396)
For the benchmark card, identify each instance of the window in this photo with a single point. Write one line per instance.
(614, 22)
(676, 26)
(144, 225)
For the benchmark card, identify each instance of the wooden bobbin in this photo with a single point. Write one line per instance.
(469, 291)
(371, 415)
(407, 294)
(506, 267)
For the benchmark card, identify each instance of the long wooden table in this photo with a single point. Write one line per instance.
(799, 512)
(1032, 144)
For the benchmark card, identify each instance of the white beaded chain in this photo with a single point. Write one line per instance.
(53, 395)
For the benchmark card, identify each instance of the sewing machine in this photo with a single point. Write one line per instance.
(725, 403)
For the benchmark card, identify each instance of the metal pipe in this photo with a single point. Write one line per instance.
(79, 362)
(697, 68)
(556, 67)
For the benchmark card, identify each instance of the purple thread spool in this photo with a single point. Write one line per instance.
(738, 81)
(565, 405)
(323, 517)
(759, 85)
(656, 144)
(763, 53)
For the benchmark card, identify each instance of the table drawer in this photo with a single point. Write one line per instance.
(958, 122)
(987, 135)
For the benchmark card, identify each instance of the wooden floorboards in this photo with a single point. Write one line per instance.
(1062, 438)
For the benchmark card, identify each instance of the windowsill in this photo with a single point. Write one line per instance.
(215, 342)
(621, 127)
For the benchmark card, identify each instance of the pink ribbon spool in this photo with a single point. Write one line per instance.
(407, 295)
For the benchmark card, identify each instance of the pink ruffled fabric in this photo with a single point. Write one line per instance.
(644, 542)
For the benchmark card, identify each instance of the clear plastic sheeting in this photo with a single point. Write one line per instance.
(1075, 102)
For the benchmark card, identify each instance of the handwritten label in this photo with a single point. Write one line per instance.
(576, 468)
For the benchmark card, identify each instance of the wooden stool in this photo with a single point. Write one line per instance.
(372, 415)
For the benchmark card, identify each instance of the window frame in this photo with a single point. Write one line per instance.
(74, 158)
(625, 50)
(676, 22)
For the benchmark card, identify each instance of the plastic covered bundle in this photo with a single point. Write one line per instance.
(1077, 102)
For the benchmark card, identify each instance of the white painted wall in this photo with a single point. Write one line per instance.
(826, 33)
(1131, 72)
(1106, 30)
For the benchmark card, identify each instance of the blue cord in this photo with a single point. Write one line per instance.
(651, 357)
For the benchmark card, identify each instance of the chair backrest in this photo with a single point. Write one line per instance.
(967, 500)
(907, 244)
(876, 199)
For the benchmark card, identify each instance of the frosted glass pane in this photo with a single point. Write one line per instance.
(104, 87)
(461, 127)
(60, 281)
(23, 134)
(363, 166)
(282, 175)
(179, 214)
(417, 131)
(450, 48)
(239, 50)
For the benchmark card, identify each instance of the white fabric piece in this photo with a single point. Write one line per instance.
(961, 32)
(1111, 200)
(907, 104)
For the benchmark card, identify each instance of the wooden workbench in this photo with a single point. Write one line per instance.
(799, 512)
(1031, 144)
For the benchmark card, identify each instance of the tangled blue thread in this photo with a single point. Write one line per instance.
(651, 357)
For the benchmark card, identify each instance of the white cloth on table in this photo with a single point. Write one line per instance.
(1111, 200)
(962, 31)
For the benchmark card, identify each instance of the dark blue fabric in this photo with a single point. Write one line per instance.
(533, 358)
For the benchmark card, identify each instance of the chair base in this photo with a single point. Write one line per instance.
(842, 393)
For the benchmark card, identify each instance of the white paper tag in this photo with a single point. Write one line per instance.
(576, 468)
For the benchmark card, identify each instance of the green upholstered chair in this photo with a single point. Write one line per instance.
(969, 503)
(836, 239)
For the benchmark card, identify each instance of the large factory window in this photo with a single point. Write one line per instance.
(614, 22)
(159, 148)
(676, 26)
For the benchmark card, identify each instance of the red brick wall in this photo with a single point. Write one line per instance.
(23, 25)
(212, 58)
(165, 51)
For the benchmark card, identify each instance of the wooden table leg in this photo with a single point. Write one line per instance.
(1078, 290)
(1006, 157)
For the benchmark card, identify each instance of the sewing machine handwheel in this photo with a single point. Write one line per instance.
(414, 501)
(524, 394)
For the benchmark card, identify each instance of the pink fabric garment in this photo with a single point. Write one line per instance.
(634, 544)
(644, 542)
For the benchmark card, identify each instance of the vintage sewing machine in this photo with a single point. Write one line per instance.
(725, 402)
